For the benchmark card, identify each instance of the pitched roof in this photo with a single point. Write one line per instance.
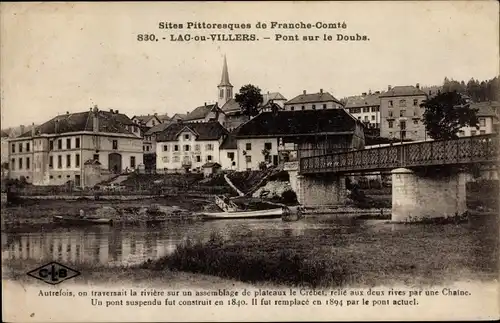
(4, 134)
(229, 142)
(225, 74)
(199, 113)
(272, 96)
(363, 100)
(110, 122)
(314, 97)
(487, 109)
(211, 130)
(178, 116)
(290, 123)
(146, 118)
(163, 117)
(158, 128)
(405, 90)
(230, 106)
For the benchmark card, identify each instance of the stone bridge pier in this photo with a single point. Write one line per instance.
(417, 195)
(322, 190)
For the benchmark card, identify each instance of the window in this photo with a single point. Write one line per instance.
(186, 137)
(473, 132)
(324, 106)
(390, 113)
(314, 106)
(28, 147)
(230, 156)
(292, 108)
(391, 124)
(461, 133)
(51, 177)
(20, 147)
(373, 118)
(13, 148)
(27, 163)
(209, 147)
(482, 122)
(366, 109)
(176, 159)
(165, 159)
(20, 163)
(402, 103)
(51, 145)
(68, 161)
(132, 161)
(51, 162)
(147, 148)
(77, 142)
(268, 145)
(59, 161)
(13, 164)
(59, 144)
(209, 158)
(402, 113)
(415, 121)
(197, 147)
(198, 159)
(415, 102)
(68, 143)
(77, 160)
(228, 93)
(115, 144)
(153, 123)
(366, 118)
(186, 147)
(375, 109)
(165, 147)
(390, 103)
(176, 147)
(221, 93)
(248, 159)
(359, 118)
(403, 125)
(303, 108)
(481, 132)
(96, 157)
(403, 134)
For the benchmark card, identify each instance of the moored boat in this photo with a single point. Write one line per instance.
(81, 220)
(254, 214)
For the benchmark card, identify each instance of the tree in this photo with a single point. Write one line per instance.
(249, 99)
(446, 113)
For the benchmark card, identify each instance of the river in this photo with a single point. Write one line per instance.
(471, 246)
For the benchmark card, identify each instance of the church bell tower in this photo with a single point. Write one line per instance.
(225, 89)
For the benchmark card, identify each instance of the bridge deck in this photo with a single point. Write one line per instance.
(465, 150)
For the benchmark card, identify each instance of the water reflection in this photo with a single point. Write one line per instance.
(133, 244)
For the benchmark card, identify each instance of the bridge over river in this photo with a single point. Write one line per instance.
(428, 178)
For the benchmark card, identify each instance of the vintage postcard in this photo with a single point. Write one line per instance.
(250, 161)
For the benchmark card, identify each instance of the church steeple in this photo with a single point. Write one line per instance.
(225, 88)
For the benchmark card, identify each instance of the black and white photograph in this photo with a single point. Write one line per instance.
(250, 161)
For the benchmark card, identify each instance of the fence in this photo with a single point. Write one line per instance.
(466, 150)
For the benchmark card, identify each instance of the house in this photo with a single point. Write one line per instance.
(277, 137)
(487, 115)
(366, 108)
(148, 121)
(205, 113)
(314, 101)
(401, 114)
(189, 145)
(210, 168)
(54, 152)
(268, 99)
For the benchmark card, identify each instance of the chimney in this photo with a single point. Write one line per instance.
(67, 113)
(304, 92)
(117, 111)
(321, 91)
(56, 126)
(370, 91)
(205, 104)
(268, 92)
(95, 119)
(389, 87)
(21, 129)
(111, 110)
(33, 129)
(417, 86)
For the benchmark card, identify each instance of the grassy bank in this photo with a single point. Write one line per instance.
(367, 257)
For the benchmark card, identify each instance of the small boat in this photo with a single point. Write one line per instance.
(81, 220)
(255, 214)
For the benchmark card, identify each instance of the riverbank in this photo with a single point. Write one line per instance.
(367, 257)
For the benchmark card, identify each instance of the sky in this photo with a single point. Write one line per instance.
(57, 58)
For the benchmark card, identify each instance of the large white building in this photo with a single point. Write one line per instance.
(313, 101)
(59, 150)
(487, 115)
(365, 108)
(190, 145)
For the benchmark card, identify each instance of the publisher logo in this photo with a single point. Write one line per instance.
(53, 273)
